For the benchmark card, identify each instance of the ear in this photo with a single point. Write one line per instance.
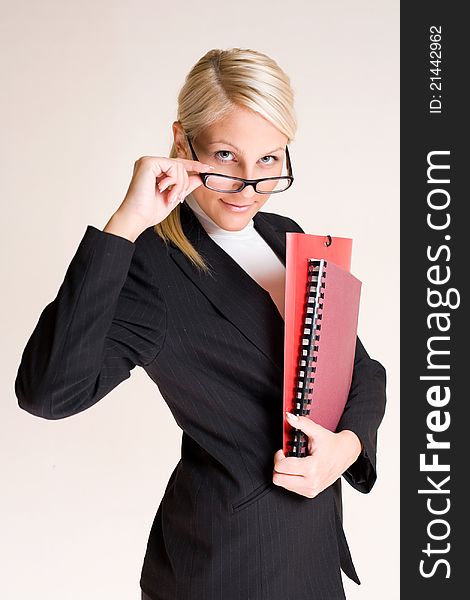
(179, 139)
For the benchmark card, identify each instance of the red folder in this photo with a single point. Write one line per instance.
(321, 315)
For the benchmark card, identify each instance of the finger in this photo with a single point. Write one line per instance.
(286, 480)
(176, 193)
(194, 165)
(194, 182)
(294, 465)
(185, 184)
(288, 465)
(165, 182)
(172, 196)
(162, 165)
(279, 455)
(175, 181)
(170, 166)
(305, 424)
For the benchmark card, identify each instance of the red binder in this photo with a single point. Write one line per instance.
(321, 315)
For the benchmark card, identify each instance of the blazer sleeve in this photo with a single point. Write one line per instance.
(108, 316)
(364, 410)
(363, 413)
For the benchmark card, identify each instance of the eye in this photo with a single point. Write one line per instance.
(223, 159)
(219, 154)
(273, 157)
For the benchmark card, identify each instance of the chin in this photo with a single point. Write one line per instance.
(235, 226)
(234, 218)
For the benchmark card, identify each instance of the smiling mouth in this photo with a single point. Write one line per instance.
(237, 205)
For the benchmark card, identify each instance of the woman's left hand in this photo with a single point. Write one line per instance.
(329, 456)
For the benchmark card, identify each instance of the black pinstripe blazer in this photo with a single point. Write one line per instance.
(213, 344)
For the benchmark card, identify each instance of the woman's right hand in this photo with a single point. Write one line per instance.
(149, 200)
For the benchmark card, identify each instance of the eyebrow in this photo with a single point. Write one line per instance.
(238, 149)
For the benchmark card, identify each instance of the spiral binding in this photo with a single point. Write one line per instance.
(297, 443)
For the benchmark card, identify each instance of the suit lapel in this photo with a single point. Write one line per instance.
(231, 289)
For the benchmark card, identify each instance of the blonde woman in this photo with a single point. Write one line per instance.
(186, 280)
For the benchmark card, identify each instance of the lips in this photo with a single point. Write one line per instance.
(237, 205)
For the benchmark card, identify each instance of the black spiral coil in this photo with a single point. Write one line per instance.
(297, 444)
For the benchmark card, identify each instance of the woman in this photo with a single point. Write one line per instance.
(187, 281)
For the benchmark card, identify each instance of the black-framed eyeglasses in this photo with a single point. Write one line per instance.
(227, 184)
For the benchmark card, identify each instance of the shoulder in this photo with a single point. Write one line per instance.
(280, 221)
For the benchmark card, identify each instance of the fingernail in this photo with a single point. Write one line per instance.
(292, 417)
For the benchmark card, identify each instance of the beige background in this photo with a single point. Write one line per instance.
(87, 88)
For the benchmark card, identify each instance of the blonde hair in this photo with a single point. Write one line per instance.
(220, 81)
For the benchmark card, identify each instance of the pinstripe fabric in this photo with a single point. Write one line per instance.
(213, 344)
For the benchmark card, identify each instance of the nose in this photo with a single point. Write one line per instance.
(247, 171)
(248, 192)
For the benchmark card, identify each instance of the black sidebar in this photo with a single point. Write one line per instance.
(435, 332)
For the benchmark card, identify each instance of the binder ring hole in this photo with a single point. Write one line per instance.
(328, 243)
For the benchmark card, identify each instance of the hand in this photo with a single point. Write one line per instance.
(329, 456)
(149, 199)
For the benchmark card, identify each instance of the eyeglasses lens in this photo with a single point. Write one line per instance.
(225, 184)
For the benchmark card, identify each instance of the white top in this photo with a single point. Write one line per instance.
(250, 251)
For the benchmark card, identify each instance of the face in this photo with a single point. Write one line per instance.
(243, 144)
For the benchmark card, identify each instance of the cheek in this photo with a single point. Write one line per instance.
(205, 198)
(262, 199)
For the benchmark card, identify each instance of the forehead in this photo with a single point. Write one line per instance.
(246, 131)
